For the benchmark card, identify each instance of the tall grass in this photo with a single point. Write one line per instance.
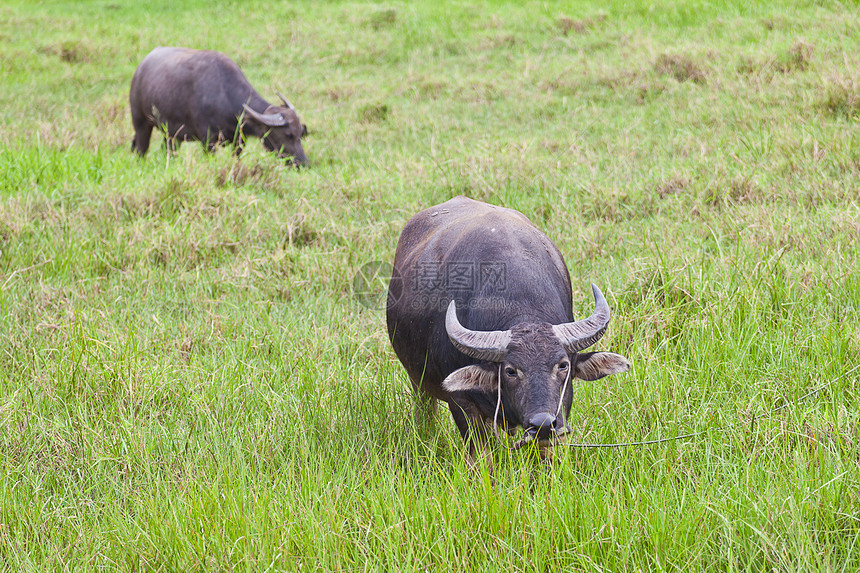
(189, 383)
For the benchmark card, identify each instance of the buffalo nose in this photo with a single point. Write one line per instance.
(542, 424)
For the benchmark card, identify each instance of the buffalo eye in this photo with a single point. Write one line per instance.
(563, 365)
(510, 372)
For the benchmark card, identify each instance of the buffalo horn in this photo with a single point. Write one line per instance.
(270, 119)
(483, 345)
(576, 336)
(286, 101)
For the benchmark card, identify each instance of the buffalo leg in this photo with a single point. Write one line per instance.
(213, 140)
(142, 135)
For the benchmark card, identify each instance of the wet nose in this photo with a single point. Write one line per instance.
(542, 424)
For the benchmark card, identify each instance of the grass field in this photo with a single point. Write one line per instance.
(188, 381)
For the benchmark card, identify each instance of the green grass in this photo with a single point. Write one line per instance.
(188, 382)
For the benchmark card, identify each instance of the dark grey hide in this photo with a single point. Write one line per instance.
(478, 290)
(201, 95)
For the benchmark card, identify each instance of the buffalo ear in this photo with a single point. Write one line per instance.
(304, 130)
(482, 377)
(594, 365)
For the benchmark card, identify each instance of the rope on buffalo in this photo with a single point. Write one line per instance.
(723, 428)
(561, 398)
(498, 403)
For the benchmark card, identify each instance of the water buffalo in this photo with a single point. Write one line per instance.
(201, 95)
(479, 313)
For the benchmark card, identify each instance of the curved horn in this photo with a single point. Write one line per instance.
(484, 345)
(576, 336)
(286, 101)
(270, 119)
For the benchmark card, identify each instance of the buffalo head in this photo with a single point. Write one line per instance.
(281, 130)
(536, 363)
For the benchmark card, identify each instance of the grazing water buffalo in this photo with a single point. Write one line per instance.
(201, 95)
(479, 313)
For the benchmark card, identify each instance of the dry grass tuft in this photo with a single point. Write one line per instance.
(799, 57)
(374, 113)
(841, 97)
(776, 22)
(69, 51)
(672, 187)
(300, 232)
(382, 18)
(733, 191)
(744, 189)
(239, 174)
(430, 89)
(648, 89)
(566, 25)
(340, 93)
(680, 67)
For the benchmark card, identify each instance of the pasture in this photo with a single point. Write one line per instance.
(189, 380)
